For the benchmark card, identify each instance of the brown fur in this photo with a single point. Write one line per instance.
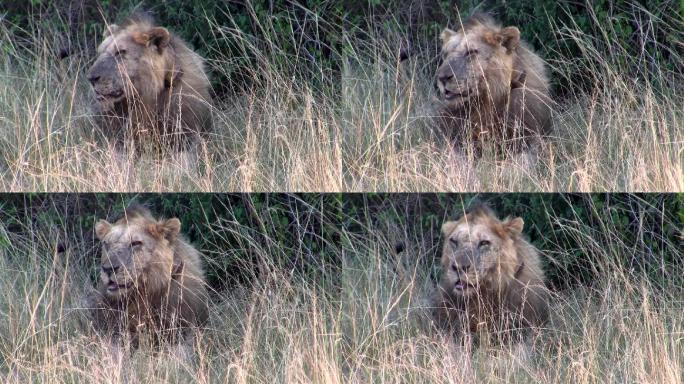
(151, 280)
(493, 88)
(492, 279)
(149, 86)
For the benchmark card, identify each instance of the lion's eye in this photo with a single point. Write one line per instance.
(454, 267)
(136, 243)
(484, 243)
(454, 242)
(471, 52)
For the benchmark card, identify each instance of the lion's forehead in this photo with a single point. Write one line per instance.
(470, 39)
(453, 43)
(468, 231)
(113, 43)
(105, 44)
(118, 41)
(125, 233)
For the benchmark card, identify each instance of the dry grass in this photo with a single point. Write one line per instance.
(364, 322)
(367, 128)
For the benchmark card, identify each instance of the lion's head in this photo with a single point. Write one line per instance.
(133, 61)
(479, 253)
(136, 253)
(477, 62)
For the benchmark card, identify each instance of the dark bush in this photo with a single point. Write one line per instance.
(242, 235)
(575, 232)
(237, 233)
(643, 36)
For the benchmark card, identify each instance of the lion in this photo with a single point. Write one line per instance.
(151, 280)
(493, 88)
(492, 280)
(149, 86)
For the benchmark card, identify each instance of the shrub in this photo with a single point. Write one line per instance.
(644, 36)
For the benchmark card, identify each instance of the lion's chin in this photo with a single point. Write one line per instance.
(455, 100)
(115, 289)
(462, 288)
(107, 102)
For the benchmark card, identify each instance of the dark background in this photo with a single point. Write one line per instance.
(303, 234)
(643, 37)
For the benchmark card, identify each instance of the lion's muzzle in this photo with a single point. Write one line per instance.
(115, 287)
(103, 77)
(465, 270)
(453, 83)
(117, 269)
(112, 276)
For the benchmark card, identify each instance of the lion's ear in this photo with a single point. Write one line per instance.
(446, 34)
(157, 36)
(510, 38)
(170, 228)
(448, 227)
(102, 228)
(160, 37)
(514, 226)
(167, 229)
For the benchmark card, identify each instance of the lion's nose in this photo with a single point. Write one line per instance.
(110, 270)
(93, 79)
(463, 268)
(444, 78)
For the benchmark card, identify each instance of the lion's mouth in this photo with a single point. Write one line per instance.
(104, 96)
(113, 287)
(462, 286)
(450, 95)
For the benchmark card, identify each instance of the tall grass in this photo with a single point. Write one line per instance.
(366, 127)
(362, 322)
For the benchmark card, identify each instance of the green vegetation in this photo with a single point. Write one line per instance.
(311, 97)
(304, 231)
(643, 28)
(354, 309)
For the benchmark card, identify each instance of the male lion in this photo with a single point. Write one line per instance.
(149, 86)
(491, 279)
(493, 88)
(151, 280)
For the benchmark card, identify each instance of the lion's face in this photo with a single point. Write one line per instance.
(479, 253)
(129, 61)
(477, 62)
(136, 253)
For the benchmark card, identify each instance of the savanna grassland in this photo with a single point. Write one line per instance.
(320, 289)
(308, 99)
